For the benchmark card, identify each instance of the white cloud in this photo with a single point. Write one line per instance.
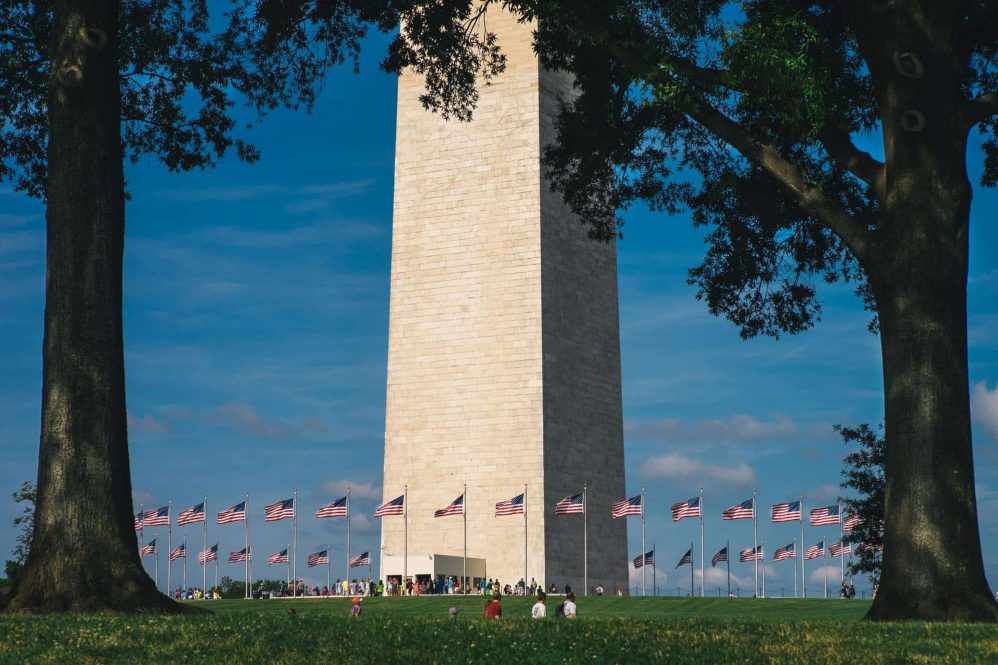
(817, 576)
(984, 407)
(674, 466)
(736, 428)
(245, 419)
(149, 424)
(634, 578)
(824, 494)
(140, 497)
(358, 490)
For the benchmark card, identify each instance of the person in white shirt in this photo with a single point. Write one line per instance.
(539, 610)
(571, 611)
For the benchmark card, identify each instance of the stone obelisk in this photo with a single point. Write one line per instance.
(504, 344)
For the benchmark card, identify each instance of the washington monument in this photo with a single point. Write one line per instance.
(504, 344)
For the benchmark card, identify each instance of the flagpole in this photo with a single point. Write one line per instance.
(169, 548)
(405, 538)
(329, 546)
(644, 589)
(824, 567)
(702, 578)
(585, 540)
(348, 533)
(727, 555)
(185, 562)
(464, 513)
(525, 533)
(142, 526)
(157, 561)
(763, 553)
(294, 513)
(755, 539)
(289, 565)
(204, 566)
(692, 583)
(216, 567)
(842, 556)
(246, 559)
(796, 553)
(803, 580)
(654, 570)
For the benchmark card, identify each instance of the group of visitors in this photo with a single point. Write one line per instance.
(195, 593)
(847, 591)
(567, 608)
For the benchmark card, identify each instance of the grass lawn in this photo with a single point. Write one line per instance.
(416, 630)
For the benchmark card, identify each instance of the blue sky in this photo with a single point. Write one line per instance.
(256, 322)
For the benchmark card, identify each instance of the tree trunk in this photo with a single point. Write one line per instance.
(84, 553)
(932, 566)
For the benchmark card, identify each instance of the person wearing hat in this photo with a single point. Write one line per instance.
(355, 609)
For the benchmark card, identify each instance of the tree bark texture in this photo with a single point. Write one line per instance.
(932, 565)
(84, 553)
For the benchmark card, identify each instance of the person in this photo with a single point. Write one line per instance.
(452, 613)
(539, 610)
(571, 611)
(599, 589)
(355, 609)
(852, 591)
(552, 588)
(380, 589)
(493, 610)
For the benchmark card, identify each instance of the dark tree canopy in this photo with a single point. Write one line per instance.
(184, 71)
(864, 475)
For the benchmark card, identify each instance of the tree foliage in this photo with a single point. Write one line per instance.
(184, 71)
(25, 522)
(864, 475)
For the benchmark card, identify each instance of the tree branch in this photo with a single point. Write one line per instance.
(765, 155)
(981, 108)
(861, 164)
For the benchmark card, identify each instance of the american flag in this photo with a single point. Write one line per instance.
(180, 552)
(720, 557)
(626, 507)
(239, 555)
(192, 515)
(318, 559)
(336, 508)
(690, 508)
(838, 549)
(149, 548)
(646, 559)
(740, 511)
(785, 552)
(787, 512)
(570, 505)
(868, 547)
(362, 559)
(282, 510)
(512, 507)
(210, 554)
(851, 522)
(455, 507)
(750, 554)
(280, 557)
(687, 558)
(815, 551)
(236, 513)
(138, 521)
(158, 517)
(824, 516)
(394, 507)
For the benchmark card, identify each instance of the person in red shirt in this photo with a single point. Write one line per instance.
(493, 610)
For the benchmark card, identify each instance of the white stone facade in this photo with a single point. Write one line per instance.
(504, 352)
